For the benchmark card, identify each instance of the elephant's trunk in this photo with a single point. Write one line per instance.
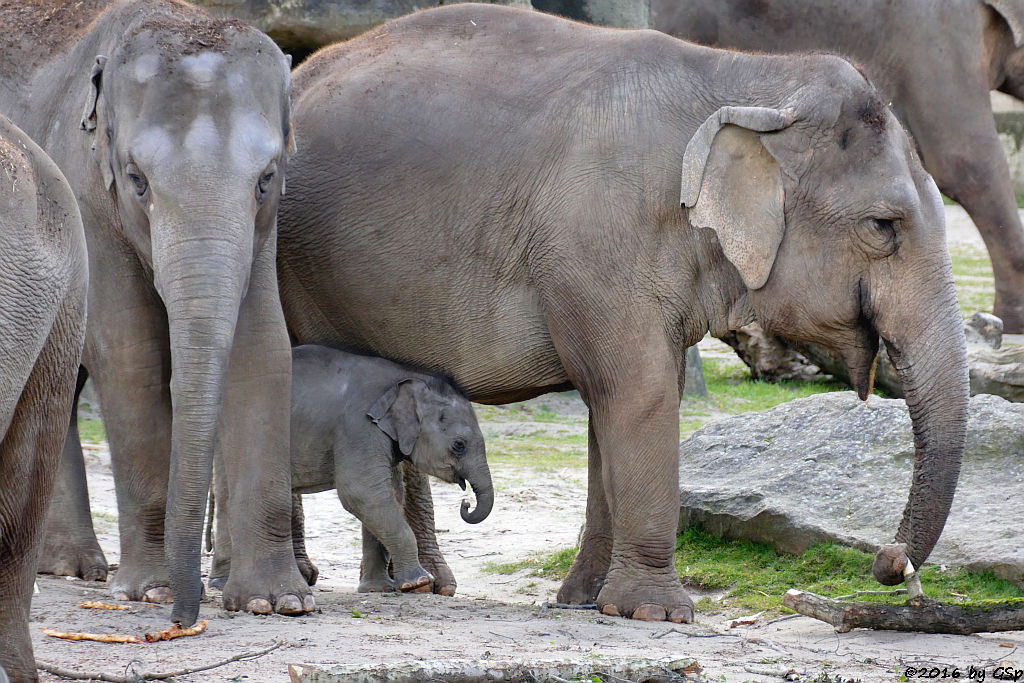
(202, 281)
(932, 367)
(480, 479)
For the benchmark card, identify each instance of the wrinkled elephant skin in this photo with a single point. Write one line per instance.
(496, 193)
(172, 128)
(43, 283)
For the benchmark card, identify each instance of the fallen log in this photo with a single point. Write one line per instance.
(920, 614)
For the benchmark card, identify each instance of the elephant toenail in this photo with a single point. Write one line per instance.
(289, 604)
(308, 603)
(159, 594)
(649, 612)
(681, 615)
(259, 606)
(611, 610)
(446, 591)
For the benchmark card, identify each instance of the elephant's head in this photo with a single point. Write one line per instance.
(435, 427)
(189, 118)
(837, 237)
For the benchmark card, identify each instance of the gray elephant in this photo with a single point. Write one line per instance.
(934, 62)
(43, 283)
(534, 204)
(355, 419)
(172, 128)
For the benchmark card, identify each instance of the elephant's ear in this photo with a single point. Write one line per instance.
(732, 185)
(1012, 11)
(396, 414)
(100, 145)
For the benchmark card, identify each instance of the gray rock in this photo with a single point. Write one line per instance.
(984, 329)
(830, 467)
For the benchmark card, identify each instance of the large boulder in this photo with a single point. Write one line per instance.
(301, 26)
(832, 468)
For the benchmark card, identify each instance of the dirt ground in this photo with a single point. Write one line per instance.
(493, 617)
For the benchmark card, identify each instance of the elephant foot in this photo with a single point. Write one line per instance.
(139, 584)
(262, 591)
(67, 558)
(217, 582)
(646, 596)
(444, 578)
(1011, 311)
(376, 584)
(584, 582)
(308, 570)
(409, 581)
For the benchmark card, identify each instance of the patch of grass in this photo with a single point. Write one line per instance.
(754, 577)
(732, 391)
(91, 431)
(553, 566)
(541, 450)
(972, 275)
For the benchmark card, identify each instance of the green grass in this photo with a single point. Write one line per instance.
(753, 577)
(91, 431)
(540, 450)
(972, 274)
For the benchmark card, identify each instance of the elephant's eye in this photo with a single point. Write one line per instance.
(459, 447)
(263, 184)
(136, 178)
(878, 236)
(887, 229)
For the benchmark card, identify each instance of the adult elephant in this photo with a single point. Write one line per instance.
(496, 192)
(934, 62)
(43, 283)
(172, 129)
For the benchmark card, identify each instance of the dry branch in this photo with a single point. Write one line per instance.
(93, 604)
(98, 637)
(927, 616)
(176, 631)
(144, 676)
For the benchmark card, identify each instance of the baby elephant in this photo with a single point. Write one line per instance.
(355, 419)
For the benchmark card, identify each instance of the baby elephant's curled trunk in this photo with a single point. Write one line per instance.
(484, 503)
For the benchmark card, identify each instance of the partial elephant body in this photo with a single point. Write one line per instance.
(43, 283)
(934, 62)
(496, 192)
(172, 129)
(355, 419)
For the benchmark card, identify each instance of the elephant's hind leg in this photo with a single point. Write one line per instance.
(588, 572)
(70, 547)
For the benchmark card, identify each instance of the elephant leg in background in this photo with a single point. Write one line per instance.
(253, 442)
(306, 566)
(220, 568)
(29, 458)
(588, 572)
(419, 513)
(629, 377)
(128, 357)
(961, 149)
(70, 547)
(375, 568)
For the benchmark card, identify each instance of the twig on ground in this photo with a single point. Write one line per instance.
(145, 676)
(97, 637)
(176, 631)
(922, 614)
(93, 604)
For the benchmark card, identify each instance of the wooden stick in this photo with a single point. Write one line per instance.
(98, 637)
(112, 678)
(176, 631)
(927, 616)
(93, 604)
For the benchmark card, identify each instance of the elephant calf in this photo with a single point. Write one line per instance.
(355, 419)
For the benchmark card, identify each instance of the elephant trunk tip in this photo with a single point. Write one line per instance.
(484, 502)
(890, 564)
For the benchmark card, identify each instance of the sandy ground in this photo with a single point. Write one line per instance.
(493, 617)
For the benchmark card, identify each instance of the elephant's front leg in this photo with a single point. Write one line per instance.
(128, 356)
(628, 375)
(70, 547)
(253, 444)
